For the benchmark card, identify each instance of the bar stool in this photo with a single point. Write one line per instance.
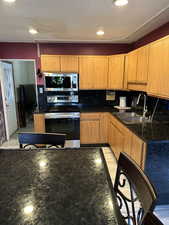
(135, 194)
(36, 140)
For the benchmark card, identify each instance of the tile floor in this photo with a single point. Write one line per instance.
(161, 211)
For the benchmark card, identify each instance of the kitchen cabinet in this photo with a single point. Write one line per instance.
(39, 123)
(121, 139)
(116, 72)
(131, 66)
(59, 63)
(50, 63)
(69, 63)
(137, 68)
(93, 72)
(158, 80)
(138, 151)
(116, 139)
(142, 65)
(93, 128)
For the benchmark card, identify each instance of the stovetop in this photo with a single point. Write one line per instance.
(64, 108)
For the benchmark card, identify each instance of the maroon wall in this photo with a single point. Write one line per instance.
(29, 50)
(153, 36)
(84, 49)
(19, 51)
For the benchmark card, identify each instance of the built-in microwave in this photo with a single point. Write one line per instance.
(61, 81)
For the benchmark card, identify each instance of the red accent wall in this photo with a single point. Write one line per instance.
(153, 36)
(84, 49)
(18, 51)
(29, 50)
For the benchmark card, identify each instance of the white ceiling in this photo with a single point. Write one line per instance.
(78, 20)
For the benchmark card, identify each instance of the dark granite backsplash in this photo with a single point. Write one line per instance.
(98, 97)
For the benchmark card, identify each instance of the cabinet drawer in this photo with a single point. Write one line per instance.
(90, 116)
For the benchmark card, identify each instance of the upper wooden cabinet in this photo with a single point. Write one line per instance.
(158, 82)
(50, 63)
(131, 66)
(69, 63)
(56, 63)
(137, 68)
(116, 72)
(93, 72)
(142, 64)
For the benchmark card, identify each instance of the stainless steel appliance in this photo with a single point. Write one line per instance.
(67, 123)
(61, 81)
(63, 98)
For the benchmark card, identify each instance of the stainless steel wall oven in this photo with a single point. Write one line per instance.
(67, 123)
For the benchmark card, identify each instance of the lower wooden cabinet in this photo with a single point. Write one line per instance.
(93, 128)
(121, 139)
(138, 151)
(116, 139)
(39, 123)
(100, 127)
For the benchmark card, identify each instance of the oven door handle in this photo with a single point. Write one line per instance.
(62, 115)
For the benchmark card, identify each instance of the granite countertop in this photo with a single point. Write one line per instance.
(155, 131)
(149, 132)
(56, 187)
(77, 108)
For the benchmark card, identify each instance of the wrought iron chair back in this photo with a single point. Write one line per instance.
(135, 194)
(151, 219)
(37, 140)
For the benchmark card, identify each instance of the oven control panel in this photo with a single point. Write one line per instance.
(62, 99)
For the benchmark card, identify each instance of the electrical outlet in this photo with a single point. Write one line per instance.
(110, 95)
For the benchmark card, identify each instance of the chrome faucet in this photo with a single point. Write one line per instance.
(145, 106)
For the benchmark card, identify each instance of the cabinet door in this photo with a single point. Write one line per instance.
(142, 64)
(69, 63)
(116, 72)
(93, 72)
(89, 131)
(104, 127)
(89, 128)
(131, 66)
(127, 141)
(50, 63)
(158, 79)
(39, 123)
(138, 151)
(116, 139)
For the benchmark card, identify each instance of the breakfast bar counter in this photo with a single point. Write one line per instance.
(49, 187)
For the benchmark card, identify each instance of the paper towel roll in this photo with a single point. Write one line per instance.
(122, 101)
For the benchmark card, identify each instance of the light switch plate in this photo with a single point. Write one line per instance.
(41, 90)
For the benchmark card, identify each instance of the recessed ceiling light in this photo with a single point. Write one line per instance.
(120, 2)
(9, 1)
(100, 32)
(33, 31)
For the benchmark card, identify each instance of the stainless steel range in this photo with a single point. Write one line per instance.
(63, 98)
(67, 123)
(63, 113)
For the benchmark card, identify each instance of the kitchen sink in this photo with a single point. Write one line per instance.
(131, 118)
